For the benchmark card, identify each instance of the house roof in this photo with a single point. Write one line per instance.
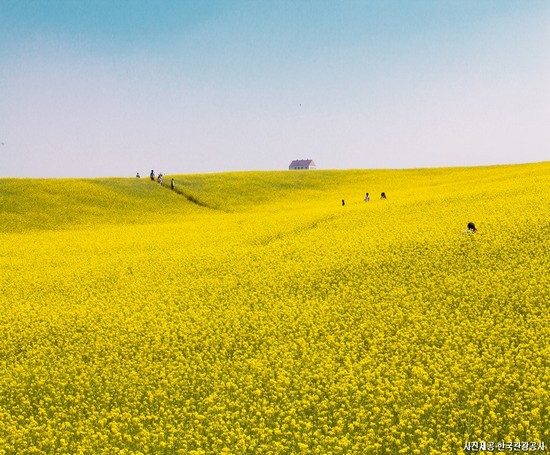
(301, 163)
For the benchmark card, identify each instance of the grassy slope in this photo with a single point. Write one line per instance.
(378, 308)
(40, 204)
(239, 190)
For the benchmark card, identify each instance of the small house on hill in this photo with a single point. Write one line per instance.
(302, 164)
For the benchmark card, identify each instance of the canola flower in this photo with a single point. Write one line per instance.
(270, 319)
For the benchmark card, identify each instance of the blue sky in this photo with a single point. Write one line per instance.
(108, 88)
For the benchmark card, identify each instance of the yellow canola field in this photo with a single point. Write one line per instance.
(253, 313)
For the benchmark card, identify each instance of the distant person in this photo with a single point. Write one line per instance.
(159, 179)
(343, 202)
(383, 195)
(367, 197)
(138, 176)
(172, 183)
(470, 229)
(152, 175)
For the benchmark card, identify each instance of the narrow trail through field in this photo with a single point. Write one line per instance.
(193, 199)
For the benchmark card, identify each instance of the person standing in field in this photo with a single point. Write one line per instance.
(383, 195)
(470, 229)
(343, 202)
(160, 179)
(152, 175)
(172, 184)
(367, 197)
(138, 176)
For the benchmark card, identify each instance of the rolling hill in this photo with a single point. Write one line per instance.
(252, 312)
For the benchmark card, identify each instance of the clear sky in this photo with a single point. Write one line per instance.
(108, 88)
